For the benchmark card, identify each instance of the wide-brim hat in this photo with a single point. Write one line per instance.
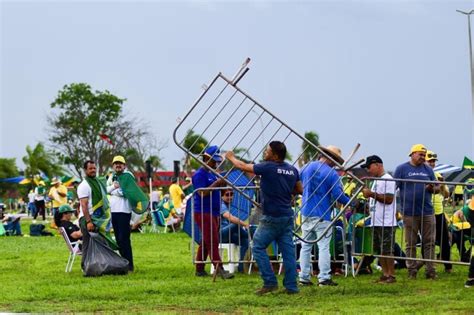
(55, 181)
(334, 152)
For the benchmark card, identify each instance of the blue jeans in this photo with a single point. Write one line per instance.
(31, 208)
(13, 226)
(233, 233)
(312, 229)
(279, 229)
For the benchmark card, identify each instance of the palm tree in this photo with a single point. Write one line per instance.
(195, 144)
(39, 160)
(308, 151)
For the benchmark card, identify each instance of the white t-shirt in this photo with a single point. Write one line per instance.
(39, 196)
(155, 196)
(31, 197)
(383, 214)
(117, 202)
(84, 191)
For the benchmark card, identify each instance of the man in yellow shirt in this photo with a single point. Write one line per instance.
(58, 194)
(177, 194)
(442, 234)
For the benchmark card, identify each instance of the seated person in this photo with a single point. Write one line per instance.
(461, 229)
(137, 221)
(359, 229)
(169, 213)
(232, 228)
(11, 223)
(63, 219)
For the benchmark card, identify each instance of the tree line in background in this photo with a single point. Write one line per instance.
(86, 124)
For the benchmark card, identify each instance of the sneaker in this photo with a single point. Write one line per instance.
(305, 282)
(412, 274)
(469, 283)
(328, 283)
(202, 273)
(265, 290)
(291, 291)
(431, 275)
(338, 272)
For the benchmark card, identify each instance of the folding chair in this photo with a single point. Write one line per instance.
(73, 248)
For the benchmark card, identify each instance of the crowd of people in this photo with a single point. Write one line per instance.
(413, 197)
(419, 191)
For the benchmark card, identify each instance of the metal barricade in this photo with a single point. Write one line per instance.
(226, 116)
(409, 230)
(233, 243)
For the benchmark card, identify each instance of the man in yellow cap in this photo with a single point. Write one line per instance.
(417, 208)
(121, 211)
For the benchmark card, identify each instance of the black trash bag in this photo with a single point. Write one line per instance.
(100, 259)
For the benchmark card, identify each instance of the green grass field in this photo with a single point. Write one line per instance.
(33, 280)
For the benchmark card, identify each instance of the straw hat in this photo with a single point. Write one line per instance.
(334, 152)
(55, 181)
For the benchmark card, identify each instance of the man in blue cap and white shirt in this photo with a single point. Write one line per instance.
(279, 181)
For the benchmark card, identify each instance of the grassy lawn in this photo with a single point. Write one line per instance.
(33, 280)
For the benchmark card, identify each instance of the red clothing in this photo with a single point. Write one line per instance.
(209, 228)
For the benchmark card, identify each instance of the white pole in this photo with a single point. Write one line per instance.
(471, 60)
(151, 202)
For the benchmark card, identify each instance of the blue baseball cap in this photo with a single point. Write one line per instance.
(214, 153)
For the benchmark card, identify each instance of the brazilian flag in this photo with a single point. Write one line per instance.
(133, 193)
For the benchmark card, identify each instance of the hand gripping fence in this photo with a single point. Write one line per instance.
(226, 116)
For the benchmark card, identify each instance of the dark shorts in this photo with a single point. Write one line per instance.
(384, 240)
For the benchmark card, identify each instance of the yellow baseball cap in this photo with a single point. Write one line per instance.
(417, 148)
(430, 155)
(118, 158)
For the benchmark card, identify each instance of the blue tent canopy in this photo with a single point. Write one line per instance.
(241, 206)
(12, 180)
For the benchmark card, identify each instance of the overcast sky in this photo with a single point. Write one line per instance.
(386, 74)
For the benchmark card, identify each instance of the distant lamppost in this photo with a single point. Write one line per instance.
(471, 59)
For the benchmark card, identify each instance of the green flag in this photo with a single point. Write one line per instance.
(133, 193)
(467, 163)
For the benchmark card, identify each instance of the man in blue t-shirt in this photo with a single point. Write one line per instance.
(417, 209)
(322, 189)
(279, 181)
(207, 205)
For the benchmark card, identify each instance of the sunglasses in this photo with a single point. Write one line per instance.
(432, 156)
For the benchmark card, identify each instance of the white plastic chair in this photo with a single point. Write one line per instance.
(73, 248)
(233, 251)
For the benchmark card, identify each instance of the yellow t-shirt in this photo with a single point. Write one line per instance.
(176, 192)
(437, 201)
(458, 190)
(349, 187)
(57, 199)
